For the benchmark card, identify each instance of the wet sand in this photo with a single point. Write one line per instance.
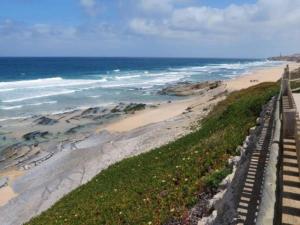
(6, 192)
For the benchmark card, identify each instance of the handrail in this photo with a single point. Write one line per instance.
(289, 114)
(289, 161)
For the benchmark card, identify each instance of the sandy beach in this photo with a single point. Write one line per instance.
(167, 111)
(75, 148)
(258, 76)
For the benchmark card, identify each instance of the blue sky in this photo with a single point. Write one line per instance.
(189, 28)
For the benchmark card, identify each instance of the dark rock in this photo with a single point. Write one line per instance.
(118, 108)
(34, 135)
(45, 121)
(92, 110)
(189, 109)
(73, 130)
(3, 181)
(132, 107)
(214, 85)
(115, 110)
(186, 89)
(106, 116)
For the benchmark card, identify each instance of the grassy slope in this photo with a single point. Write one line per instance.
(294, 75)
(162, 184)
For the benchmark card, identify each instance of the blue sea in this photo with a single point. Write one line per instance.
(31, 86)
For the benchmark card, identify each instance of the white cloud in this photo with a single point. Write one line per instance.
(10, 30)
(90, 6)
(262, 19)
(160, 6)
(143, 26)
(264, 27)
(156, 5)
(88, 3)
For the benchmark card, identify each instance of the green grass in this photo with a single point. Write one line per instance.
(165, 183)
(295, 84)
(295, 74)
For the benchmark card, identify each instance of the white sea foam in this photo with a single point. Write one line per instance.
(11, 107)
(25, 83)
(229, 76)
(151, 79)
(14, 118)
(225, 66)
(7, 89)
(127, 77)
(38, 96)
(47, 83)
(42, 103)
(21, 106)
(63, 111)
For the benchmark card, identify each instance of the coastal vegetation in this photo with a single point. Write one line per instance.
(295, 74)
(162, 185)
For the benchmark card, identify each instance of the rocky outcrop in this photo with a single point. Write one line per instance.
(74, 130)
(132, 107)
(35, 135)
(187, 88)
(45, 121)
(128, 108)
(92, 110)
(3, 181)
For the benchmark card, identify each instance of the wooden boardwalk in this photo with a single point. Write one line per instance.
(290, 202)
(287, 206)
(289, 176)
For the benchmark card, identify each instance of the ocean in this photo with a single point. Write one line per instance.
(32, 86)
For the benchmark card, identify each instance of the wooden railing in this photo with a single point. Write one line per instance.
(288, 189)
(290, 116)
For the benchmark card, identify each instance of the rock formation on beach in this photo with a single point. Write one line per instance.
(41, 134)
(188, 88)
(45, 121)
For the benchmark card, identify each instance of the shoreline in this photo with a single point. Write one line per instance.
(258, 76)
(119, 138)
(157, 102)
(240, 82)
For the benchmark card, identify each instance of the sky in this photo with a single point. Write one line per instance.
(153, 28)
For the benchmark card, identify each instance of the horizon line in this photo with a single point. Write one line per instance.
(170, 57)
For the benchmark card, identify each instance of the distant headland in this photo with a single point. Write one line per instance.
(293, 58)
